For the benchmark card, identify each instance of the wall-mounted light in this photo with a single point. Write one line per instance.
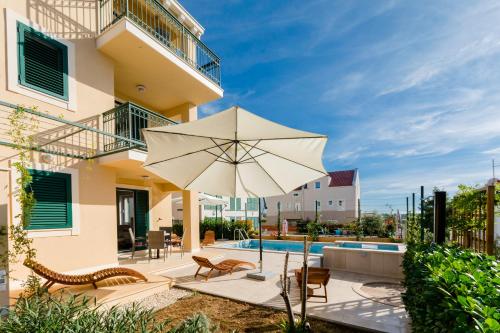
(140, 88)
(46, 158)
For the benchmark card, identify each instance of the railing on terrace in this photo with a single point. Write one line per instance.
(81, 139)
(159, 23)
(126, 121)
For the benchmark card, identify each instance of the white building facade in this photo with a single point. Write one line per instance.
(336, 196)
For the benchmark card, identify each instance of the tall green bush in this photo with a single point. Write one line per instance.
(449, 289)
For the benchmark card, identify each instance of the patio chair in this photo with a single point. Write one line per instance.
(176, 241)
(317, 276)
(53, 277)
(209, 238)
(225, 266)
(136, 241)
(156, 241)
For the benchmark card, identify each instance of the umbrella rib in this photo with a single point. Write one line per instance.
(267, 173)
(192, 152)
(295, 137)
(217, 159)
(247, 151)
(250, 158)
(186, 134)
(223, 151)
(208, 166)
(289, 160)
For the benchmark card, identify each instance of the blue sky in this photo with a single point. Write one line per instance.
(407, 92)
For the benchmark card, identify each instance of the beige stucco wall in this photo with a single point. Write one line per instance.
(95, 244)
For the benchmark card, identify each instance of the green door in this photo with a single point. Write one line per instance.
(141, 213)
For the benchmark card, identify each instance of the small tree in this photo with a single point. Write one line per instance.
(372, 224)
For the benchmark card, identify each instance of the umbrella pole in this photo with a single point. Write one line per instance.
(260, 237)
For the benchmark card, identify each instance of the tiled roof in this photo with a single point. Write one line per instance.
(342, 178)
(338, 178)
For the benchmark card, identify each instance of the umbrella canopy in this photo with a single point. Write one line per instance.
(235, 153)
(204, 199)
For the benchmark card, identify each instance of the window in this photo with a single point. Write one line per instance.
(318, 203)
(295, 194)
(43, 62)
(52, 191)
(317, 185)
(297, 206)
(235, 204)
(252, 204)
(340, 203)
(330, 202)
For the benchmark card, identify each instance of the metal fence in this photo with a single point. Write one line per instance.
(152, 17)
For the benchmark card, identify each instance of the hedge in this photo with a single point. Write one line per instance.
(212, 224)
(449, 289)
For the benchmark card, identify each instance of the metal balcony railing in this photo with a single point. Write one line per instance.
(116, 130)
(127, 121)
(152, 17)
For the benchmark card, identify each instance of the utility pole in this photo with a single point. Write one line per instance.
(422, 214)
(493, 165)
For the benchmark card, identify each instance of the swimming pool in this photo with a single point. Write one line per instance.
(316, 247)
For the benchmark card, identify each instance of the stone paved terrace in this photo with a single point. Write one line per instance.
(344, 305)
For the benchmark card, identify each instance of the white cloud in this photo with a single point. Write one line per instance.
(492, 152)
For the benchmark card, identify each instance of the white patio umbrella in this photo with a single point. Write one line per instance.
(235, 153)
(204, 199)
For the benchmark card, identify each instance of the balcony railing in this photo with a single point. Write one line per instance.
(127, 121)
(159, 23)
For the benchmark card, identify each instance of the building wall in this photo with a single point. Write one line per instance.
(300, 204)
(93, 244)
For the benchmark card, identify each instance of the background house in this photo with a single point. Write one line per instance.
(337, 196)
(235, 209)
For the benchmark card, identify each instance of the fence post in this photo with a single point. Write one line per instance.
(490, 218)
(439, 216)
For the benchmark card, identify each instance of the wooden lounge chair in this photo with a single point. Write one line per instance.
(209, 238)
(226, 266)
(82, 279)
(317, 276)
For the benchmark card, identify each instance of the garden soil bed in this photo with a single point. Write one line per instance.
(233, 316)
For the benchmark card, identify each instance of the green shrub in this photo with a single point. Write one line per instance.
(372, 225)
(199, 323)
(449, 289)
(43, 313)
(225, 229)
(48, 314)
(313, 230)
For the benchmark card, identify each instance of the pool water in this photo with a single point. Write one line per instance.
(297, 246)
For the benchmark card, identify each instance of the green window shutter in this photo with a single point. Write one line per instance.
(238, 203)
(231, 204)
(141, 213)
(52, 191)
(43, 62)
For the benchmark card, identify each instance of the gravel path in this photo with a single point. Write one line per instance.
(163, 299)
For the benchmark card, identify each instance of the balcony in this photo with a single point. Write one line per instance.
(126, 121)
(151, 47)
